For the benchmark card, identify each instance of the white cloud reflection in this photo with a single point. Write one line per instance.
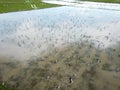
(30, 35)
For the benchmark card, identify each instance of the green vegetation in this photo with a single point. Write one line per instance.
(3, 87)
(106, 67)
(106, 1)
(21, 5)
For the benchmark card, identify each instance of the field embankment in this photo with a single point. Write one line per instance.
(106, 1)
(22, 5)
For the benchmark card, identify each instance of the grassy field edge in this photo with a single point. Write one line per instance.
(23, 5)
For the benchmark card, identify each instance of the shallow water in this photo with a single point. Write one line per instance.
(85, 4)
(28, 34)
(60, 44)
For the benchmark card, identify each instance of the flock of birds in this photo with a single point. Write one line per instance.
(37, 31)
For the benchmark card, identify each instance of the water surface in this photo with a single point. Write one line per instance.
(85, 4)
(27, 34)
(62, 48)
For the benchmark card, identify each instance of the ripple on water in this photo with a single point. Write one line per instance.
(33, 32)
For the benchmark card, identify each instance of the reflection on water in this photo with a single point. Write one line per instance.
(77, 49)
(26, 34)
(85, 4)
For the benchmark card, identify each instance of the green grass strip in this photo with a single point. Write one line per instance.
(22, 5)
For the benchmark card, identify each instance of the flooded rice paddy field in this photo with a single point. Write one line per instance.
(63, 48)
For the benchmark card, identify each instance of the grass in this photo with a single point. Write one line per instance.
(22, 5)
(3, 87)
(106, 1)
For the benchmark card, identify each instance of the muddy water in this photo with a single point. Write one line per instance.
(67, 48)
